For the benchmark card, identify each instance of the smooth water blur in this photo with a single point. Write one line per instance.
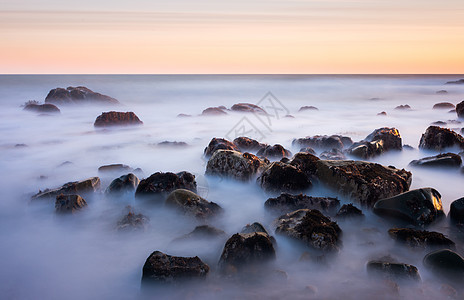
(82, 255)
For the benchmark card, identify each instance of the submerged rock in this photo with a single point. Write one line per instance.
(378, 142)
(349, 211)
(213, 111)
(246, 144)
(86, 186)
(418, 207)
(437, 138)
(443, 105)
(460, 81)
(191, 204)
(159, 185)
(41, 108)
(233, 164)
(363, 182)
(281, 177)
(446, 263)
(324, 142)
(132, 221)
(460, 109)
(287, 203)
(420, 238)
(163, 268)
(219, 144)
(117, 118)
(248, 107)
(173, 144)
(274, 152)
(66, 204)
(456, 212)
(392, 270)
(75, 95)
(440, 160)
(124, 184)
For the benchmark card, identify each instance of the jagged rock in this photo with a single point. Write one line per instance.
(117, 118)
(460, 81)
(213, 111)
(248, 107)
(418, 207)
(392, 270)
(219, 144)
(191, 204)
(281, 177)
(306, 108)
(246, 144)
(362, 181)
(446, 263)
(333, 154)
(443, 105)
(440, 160)
(311, 227)
(203, 232)
(378, 142)
(159, 185)
(460, 109)
(69, 203)
(349, 211)
(306, 162)
(437, 138)
(324, 142)
(163, 268)
(420, 238)
(124, 184)
(403, 107)
(74, 95)
(233, 164)
(115, 168)
(274, 152)
(131, 221)
(86, 186)
(42, 108)
(456, 212)
(287, 203)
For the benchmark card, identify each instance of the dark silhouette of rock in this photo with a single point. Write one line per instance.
(248, 107)
(219, 144)
(66, 204)
(281, 177)
(382, 113)
(213, 111)
(233, 164)
(41, 108)
(378, 142)
(446, 263)
(86, 186)
(403, 107)
(115, 168)
(117, 118)
(246, 144)
(189, 203)
(75, 95)
(132, 221)
(443, 105)
(460, 109)
(456, 212)
(349, 211)
(420, 238)
(274, 152)
(306, 108)
(460, 81)
(393, 270)
(437, 138)
(287, 203)
(183, 116)
(124, 184)
(173, 144)
(449, 160)
(156, 187)
(324, 142)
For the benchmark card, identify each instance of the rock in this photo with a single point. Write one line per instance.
(349, 211)
(245, 249)
(382, 113)
(159, 185)
(417, 207)
(308, 150)
(204, 232)
(324, 142)
(392, 271)
(311, 227)
(248, 107)
(41, 108)
(443, 105)
(460, 109)
(441, 92)
(361, 181)
(446, 263)
(114, 168)
(75, 95)
(65, 204)
(213, 111)
(305, 162)
(132, 221)
(287, 203)
(436, 138)
(191, 204)
(163, 268)
(378, 142)
(289, 117)
(280, 177)
(460, 81)
(333, 154)
(255, 227)
(183, 116)
(233, 164)
(420, 238)
(441, 160)
(456, 212)
(117, 118)
(438, 123)
(173, 144)
(86, 186)
(306, 108)
(219, 144)
(403, 107)
(274, 152)
(408, 147)
(245, 144)
(124, 184)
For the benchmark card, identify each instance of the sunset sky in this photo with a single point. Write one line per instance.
(240, 36)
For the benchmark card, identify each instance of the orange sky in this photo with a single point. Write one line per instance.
(255, 36)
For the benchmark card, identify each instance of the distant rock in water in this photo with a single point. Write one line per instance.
(189, 203)
(274, 152)
(460, 81)
(248, 107)
(41, 108)
(382, 113)
(306, 108)
(403, 107)
(286, 203)
(420, 238)
(246, 144)
(156, 187)
(443, 105)
(66, 204)
(219, 144)
(75, 95)
(442, 92)
(460, 109)
(281, 177)
(378, 142)
(86, 186)
(441, 160)
(213, 111)
(437, 138)
(184, 116)
(233, 164)
(116, 118)
(114, 168)
(173, 144)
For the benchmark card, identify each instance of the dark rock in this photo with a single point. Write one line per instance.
(417, 207)
(349, 211)
(213, 111)
(115, 168)
(289, 116)
(69, 203)
(443, 105)
(233, 164)
(392, 271)
(124, 184)
(131, 221)
(403, 107)
(204, 232)
(86, 186)
(363, 182)
(460, 81)
(324, 142)
(287, 203)
(255, 227)
(378, 142)
(74, 95)
(460, 109)
(311, 227)
(42, 108)
(446, 263)
(274, 152)
(280, 177)
(437, 138)
(219, 144)
(306, 108)
(456, 212)
(159, 185)
(174, 144)
(183, 116)
(191, 204)
(305, 162)
(333, 154)
(438, 123)
(248, 107)
(382, 113)
(245, 144)
(308, 150)
(117, 118)
(441, 92)
(163, 268)
(408, 147)
(420, 238)
(441, 160)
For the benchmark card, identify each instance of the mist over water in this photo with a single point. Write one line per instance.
(48, 256)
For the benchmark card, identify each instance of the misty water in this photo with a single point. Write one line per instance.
(82, 256)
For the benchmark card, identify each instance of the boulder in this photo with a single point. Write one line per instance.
(132, 221)
(450, 160)
(86, 186)
(393, 270)
(117, 118)
(248, 107)
(66, 204)
(446, 263)
(274, 152)
(443, 105)
(460, 109)
(403, 107)
(456, 212)
(246, 144)
(41, 108)
(460, 81)
(75, 95)
(306, 108)
(418, 207)
(213, 111)
(189, 203)
(233, 164)
(219, 144)
(281, 177)
(361, 181)
(333, 154)
(438, 139)
(306, 162)
(124, 184)
(312, 228)
(163, 268)
(287, 203)
(378, 142)
(420, 238)
(349, 211)
(159, 185)
(324, 142)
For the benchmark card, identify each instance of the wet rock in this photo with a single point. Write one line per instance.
(378, 142)
(306, 108)
(163, 268)
(403, 107)
(274, 152)
(219, 144)
(308, 150)
(456, 212)
(441, 160)
(66, 204)
(349, 211)
(392, 271)
(173, 144)
(124, 184)
(305, 162)
(333, 154)
(213, 111)
(418, 207)
(420, 238)
(204, 232)
(189, 203)
(233, 164)
(75, 95)
(382, 113)
(361, 181)
(114, 168)
(311, 227)
(117, 118)
(460, 109)
(42, 108)
(86, 186)
(248, 107)
(441, 92)
(324, 142)
(460, 81)
(159, 185)
(443, 105)
(246, 144)
(436, 138)
(280, 177)
(132, 221)
(287, 203)
(446, 263)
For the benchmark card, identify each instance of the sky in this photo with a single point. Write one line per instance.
(240, 36)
